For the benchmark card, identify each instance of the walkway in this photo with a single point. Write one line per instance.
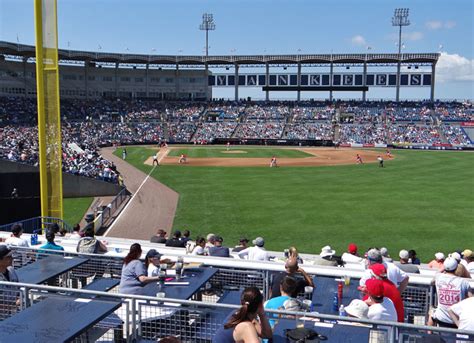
(152, 206)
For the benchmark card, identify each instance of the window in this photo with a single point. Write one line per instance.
(107, 78)
(125, 79)
(139, 79)
(169, 80)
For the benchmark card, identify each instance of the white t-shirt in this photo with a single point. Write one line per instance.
(394, 274)
(384, 311)
(451, 289)
(470, 267)
(465, 311)
(349, 258)
(198, 250)
(153, 270)
(254, 254)
(17, 242)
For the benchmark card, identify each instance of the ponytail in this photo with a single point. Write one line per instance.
(250, 299)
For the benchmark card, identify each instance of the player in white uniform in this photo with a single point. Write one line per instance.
(273, 162)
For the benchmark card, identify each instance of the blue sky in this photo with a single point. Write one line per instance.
(256, 26)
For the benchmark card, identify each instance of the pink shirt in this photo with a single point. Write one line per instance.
(436, 265)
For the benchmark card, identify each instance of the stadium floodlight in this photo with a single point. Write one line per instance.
(207, 25)
(400, 18)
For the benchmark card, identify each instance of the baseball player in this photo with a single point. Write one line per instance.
(155, 160)
(182, 159)
(388, 153)
(359, 159)
(273, 162)
(124, 154)
(380, 159)
(228, 146)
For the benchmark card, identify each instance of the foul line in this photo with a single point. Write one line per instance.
(133, 197)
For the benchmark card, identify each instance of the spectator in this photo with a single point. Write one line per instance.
(380, 307)
(176, 241)
(412, 257)
(351, 255)
(404, 265)
(255, 253)
(243, 244)
(7, 272)
(134, 275)
(50, 245)
(211, 238)
(76, 229)
(357, 309)
(461, 271)
(294, 271)
(287, 300)
(293, 253)
(186, 236)
(385, 255)
(450, 290)
(469, 258)
(394, 274)
(160, 237)
(466, 256)
(218, 250)
(390, 291)
(199, 249)
(437, 263)
(89, 244)
(247, 324)
(327, 257)
(152, 262)
(15, 238)
(462, 313)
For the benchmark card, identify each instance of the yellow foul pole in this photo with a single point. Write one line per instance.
(49, 122)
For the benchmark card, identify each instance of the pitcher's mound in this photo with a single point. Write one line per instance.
(234, 152)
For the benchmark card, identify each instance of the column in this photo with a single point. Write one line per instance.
(236, 83)
(86, 78)
(364, 80)
(267, 81)
(433, 72)
(397, 96)
(330, 79)
(176, 83)
(298, 95)
(116, 80)
(147, 68)
(25, 85)
(206, 83)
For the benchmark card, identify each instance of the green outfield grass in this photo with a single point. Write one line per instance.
(75, 209)
(422, 200)
(221, 151)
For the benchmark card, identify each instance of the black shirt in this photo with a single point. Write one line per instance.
(175, 242)
(158, 239)
(300, 283)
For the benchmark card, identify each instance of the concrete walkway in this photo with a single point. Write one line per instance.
(152, 206)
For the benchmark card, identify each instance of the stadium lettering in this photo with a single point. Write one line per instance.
(315, 80)
(415, 80)
(347, 80)
(283, 80)
(221, 80)
(251, 80)
(381, 79)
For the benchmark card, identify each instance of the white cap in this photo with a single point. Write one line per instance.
(456, 256)
(404, 254)
(327, 251)
(439, 256)
(384, 251)
(450, 264)
(357, 308)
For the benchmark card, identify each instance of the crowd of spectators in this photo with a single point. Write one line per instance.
(208, 131)
(362, 134)
(455, 135)
(310, 130)
(260, 130)
(417, 134)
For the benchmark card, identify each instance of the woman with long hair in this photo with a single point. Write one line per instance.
(249, 323)
(134, 275)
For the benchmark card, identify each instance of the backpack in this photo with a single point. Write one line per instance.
(303, 335)
(88, 245)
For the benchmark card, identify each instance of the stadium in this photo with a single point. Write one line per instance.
(130, 177)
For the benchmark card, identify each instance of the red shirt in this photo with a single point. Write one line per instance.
(391, 291)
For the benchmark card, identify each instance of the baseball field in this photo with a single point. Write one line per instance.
(420, 200)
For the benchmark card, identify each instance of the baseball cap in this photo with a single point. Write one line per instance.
(352, 248)
(384, 251)
(152, 253)
(259, 241)
(374, 255)
(404, 255)
(379, 270)
(243, 239)
(210, 237)
(219, 239)
(439, 256)
(5, 251)
(358, 308)
(374, 287)
(456, 256)
(467, 253)
(450, 264)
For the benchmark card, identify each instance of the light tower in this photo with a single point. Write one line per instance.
(207, 25)
(400, 18)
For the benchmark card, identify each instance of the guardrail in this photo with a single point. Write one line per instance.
(110, 209)
(154, 318)
(38, 224)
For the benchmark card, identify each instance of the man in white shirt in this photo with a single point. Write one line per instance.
(255, 253)
(380, 307)
(15, 240)
(462, 313)
(394, 274)
(351, 255)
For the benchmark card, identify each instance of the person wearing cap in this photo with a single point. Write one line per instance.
(462, 313)
(243, 244)
(437, 263)
(175, 241)
(159, 238)
(385, 255)
(379, 272)
(461, 271)
(380, 307)
(152, 262)
(50, 245)
(9, 301)
(450, 290)
(326, 257)
(293, 270)
(412, 257)
(404, 265)
(394, 274)
(351, 255)
(357, 309)
(255, 253)
(469, 258)
(218, 250)
(466, 257)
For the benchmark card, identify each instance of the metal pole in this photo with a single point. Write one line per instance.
(399, 63)
(330, 79)
(207, 66)
(236, 85)
(267, 81)
(86, 78)
(433, 72)
(177, 82)
(364, 79)
(298, 97)
(147, 94)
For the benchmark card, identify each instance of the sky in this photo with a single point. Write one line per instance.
(266, 27)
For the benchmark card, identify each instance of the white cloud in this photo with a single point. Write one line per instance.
(416, 35)
(358, 40)
(453, 67)
(438, 24)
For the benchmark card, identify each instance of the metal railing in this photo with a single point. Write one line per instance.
(38, 224)
(111, 208)
(194, 321)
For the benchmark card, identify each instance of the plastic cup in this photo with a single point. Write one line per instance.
(160, 294)
(347, 280)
